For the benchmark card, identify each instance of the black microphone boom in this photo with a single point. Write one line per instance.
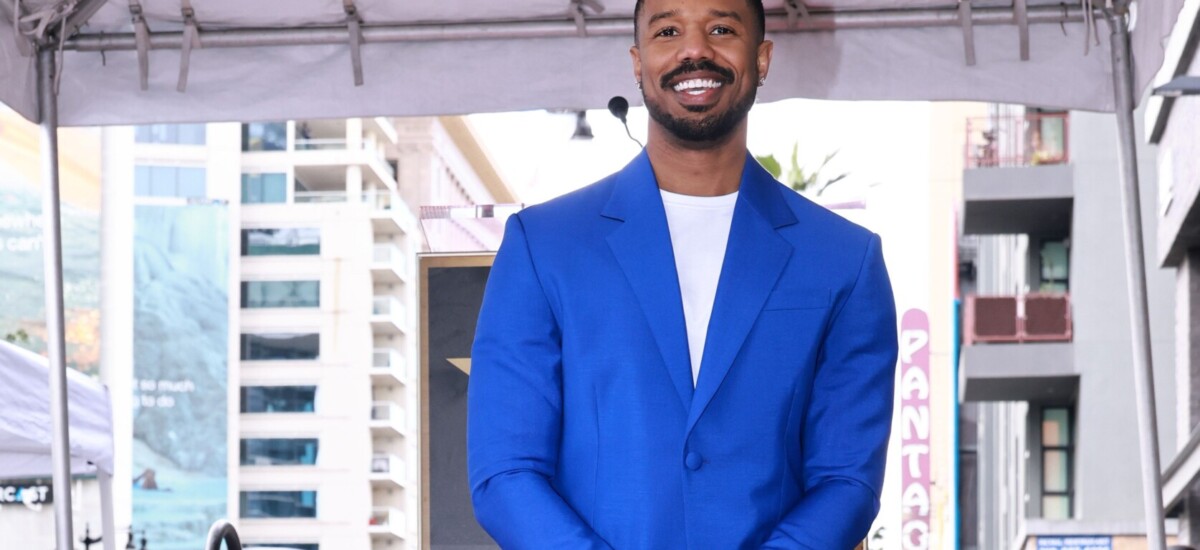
(619, 107)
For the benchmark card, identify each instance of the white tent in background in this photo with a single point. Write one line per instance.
(156, 61)
(25, 433)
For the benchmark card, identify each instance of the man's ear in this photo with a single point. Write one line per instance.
(764, 58)
(636, 55)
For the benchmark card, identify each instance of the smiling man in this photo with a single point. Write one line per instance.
(685, 354)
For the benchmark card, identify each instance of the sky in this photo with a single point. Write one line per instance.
(536, 157)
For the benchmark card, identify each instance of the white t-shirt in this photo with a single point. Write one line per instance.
(699, 229)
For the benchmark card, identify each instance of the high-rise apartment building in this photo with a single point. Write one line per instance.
(1049, 436)
(308, 230)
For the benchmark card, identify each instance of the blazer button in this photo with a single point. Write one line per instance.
(693, 461)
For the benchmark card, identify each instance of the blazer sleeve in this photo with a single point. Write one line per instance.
(514, 410)
(848, 422)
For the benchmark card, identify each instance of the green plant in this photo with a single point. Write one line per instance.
(18, 336)
(799, 178)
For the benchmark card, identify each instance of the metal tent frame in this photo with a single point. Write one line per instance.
(64, 34)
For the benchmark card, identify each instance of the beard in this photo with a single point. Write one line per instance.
(710, 128)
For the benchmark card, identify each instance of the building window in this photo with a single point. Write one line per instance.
(264, 136)
(279, 504)
(264, 188)
(259, 294)
(279, 399)
(281, 242)
(174, 134)
(285, 545)
(276, 347)
(1057, 454)
(279, 452)
(169, 181)
(1056, 267)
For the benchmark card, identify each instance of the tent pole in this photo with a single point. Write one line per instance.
(109, 539)
(1135, 267)
(60, 454)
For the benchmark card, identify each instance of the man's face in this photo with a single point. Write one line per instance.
(699, 62)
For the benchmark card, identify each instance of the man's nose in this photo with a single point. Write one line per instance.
(695, 46)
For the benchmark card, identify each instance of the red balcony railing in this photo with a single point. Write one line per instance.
(1008, 141)
(1029, 318)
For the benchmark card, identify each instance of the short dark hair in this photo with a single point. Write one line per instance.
(756, 6)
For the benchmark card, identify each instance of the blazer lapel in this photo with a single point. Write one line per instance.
(754, 259)
(642, 246)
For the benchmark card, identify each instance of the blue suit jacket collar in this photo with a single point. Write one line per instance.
(755, 257)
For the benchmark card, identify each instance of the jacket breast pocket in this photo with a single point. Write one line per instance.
(797, 298)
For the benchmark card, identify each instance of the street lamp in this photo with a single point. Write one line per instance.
(1179, 86)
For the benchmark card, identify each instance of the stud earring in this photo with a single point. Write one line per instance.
(762, 81)
(639, 84)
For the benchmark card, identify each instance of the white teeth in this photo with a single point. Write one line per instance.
(696, 83)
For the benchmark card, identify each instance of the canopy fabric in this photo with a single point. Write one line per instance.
(25, 430)
(424, 57)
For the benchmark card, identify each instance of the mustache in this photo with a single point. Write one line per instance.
(689, 66)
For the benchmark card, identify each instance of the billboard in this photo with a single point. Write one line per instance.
(181, 335)
(22, 296)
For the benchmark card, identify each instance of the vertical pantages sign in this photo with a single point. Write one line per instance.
(181, 325)
(914, 430)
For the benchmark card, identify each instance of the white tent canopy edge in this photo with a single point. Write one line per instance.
(424, 58)
(25, 434)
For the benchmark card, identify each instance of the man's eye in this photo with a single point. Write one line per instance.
(667, 31)
(722, 30)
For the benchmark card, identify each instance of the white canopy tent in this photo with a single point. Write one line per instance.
(295, 59)
(25, 434)
(141, 61)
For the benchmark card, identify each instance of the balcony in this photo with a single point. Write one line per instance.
(387, 419)
(1017, 177)
(1018, 348)
(388, 522)
(319, 197)
(388, 471)
(388, 367)
(389, 264)
(389, 214)
(388, 316)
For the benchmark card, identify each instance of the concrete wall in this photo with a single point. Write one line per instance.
(1108, 486)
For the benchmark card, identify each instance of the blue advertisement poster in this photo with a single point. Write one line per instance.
(181, 324)
(1074, 543)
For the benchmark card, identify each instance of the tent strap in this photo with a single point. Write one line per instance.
(141, 32)
(354, 24)
(191, 39)
(968, 30)
(578, 12)
(1021, 17)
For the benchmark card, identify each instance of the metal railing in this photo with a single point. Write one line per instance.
(1009, 141)
(1015, 319)
(306, 197)
(387, 517)
(223, 531)
(387, 359)
(386, 411)
(387, 306)
(385, 200)
(321, 144)
(386, 464)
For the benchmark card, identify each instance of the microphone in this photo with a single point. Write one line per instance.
(619, 107)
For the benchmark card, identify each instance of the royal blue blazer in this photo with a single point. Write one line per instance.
(584, 430)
